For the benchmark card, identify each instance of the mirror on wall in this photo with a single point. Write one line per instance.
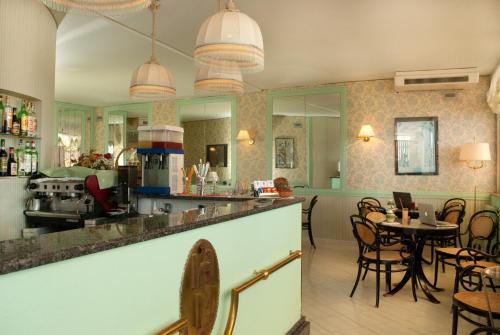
(207, 136)
(122, 132)
(306, 146)
(74, 132)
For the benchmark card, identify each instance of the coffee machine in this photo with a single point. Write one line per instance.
(60, 203)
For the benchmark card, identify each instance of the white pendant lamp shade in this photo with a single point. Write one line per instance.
(96, 7)
(230, 36)
(151, 81)
(210, 80)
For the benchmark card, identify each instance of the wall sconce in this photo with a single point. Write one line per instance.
(244, 135)
(366, 133)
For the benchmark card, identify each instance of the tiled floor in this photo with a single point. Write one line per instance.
(328, 275)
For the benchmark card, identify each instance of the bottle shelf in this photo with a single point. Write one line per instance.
(19, 137)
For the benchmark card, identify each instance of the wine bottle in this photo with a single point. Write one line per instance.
(34, 158)
(2, 109)
(20, 158)
(4, 158)
(27, 159)
(12, 164)
(23, 119)
(7, 117)
(16, 127)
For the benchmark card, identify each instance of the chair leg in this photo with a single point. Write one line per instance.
(378, 285)
(432, 251)
(366, 272)
(455, 285)
(388, 277)
(436, 270)
(311, 239)
(360, 265)
(413, 282)
(454, 324)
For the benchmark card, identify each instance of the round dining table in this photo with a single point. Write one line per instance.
(418, 233)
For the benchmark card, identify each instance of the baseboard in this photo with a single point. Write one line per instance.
(302, 327)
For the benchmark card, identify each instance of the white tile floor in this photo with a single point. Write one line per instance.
(328, 275)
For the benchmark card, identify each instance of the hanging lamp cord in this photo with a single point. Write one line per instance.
(231, 6)
(154, 7)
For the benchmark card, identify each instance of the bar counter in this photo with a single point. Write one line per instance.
(21, 254)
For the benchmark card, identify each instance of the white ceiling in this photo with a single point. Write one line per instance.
(311, 105)
(306, 42)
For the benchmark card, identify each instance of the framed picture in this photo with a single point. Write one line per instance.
(416, 146)
(217, 155)
(284, 153)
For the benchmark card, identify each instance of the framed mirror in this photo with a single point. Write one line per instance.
(416, 146)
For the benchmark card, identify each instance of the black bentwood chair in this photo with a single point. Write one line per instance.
(372, 254)
(307, 224)
(485, 330)
(473, 301)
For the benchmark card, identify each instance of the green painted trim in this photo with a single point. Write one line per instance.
(342, 91)
(309, 145)
(92, 140)
(386, 194)
(234, 124)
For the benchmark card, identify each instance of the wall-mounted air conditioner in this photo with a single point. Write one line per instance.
(450, 79)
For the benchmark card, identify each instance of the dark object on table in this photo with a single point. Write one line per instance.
(402, 199)
(481, 231)
(373, 251)
(217, 155)
(473, 301)
(283, 187)
(307, 225)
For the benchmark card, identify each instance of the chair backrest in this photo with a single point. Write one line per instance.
(453, 216)
(453, 204)
(371, 201)
(309, 211)
(364, 208)
(375, 217)
(482, 227)
(365, 232)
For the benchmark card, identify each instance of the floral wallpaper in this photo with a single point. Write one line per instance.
(460, 119)
(284, 126)
(199, 134)
(164, 112)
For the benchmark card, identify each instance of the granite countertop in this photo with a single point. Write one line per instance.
(21, 254)
(209, 197)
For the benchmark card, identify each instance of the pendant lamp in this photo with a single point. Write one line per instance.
(97, 7)
(230, 36)
(151, 81)
(211, 81)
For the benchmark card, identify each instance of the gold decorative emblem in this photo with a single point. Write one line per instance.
(200, 289)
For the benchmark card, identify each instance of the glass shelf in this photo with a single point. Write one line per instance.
(19, 137)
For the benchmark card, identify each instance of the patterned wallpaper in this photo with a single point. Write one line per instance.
(371, 165)
(460, 119)
(99, 130)
(199, 134)
(283, 126)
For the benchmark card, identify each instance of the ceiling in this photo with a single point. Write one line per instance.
(327, 105)
(205, 111)
(306, 43)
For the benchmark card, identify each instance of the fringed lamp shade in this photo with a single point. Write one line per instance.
(230, 36)
(96, 7)
(215, 82)
(151, 81)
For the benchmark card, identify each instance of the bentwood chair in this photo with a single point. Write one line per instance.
(372, 255)
(481, 230)
(307, 224)
(485, 330)
(473, 301)
(371, 201)
(454, 203)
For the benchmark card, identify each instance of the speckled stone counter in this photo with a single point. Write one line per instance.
(20, 254)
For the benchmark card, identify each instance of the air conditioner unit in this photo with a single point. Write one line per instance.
(450, 79)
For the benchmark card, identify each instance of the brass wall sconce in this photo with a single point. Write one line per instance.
(244, 135)
(366, 133)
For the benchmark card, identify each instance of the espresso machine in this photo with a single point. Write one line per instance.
(60, 203)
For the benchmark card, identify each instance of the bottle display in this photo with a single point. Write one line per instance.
(4, 159)
(12, 164)
(18, 118)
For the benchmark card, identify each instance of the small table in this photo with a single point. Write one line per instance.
(419, 233)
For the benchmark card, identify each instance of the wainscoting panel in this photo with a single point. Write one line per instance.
(331, 214)
(12, 199)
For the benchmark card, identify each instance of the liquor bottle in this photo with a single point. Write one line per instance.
(34, 158)
(29, 112)
(4, 158)
(12, 164)
(27, 159)
(34, 121)
(20, 158)
(16, 127)
(7, 117)
(2, 109)
(23, 119)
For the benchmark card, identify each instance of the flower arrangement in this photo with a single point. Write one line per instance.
(95, 161)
